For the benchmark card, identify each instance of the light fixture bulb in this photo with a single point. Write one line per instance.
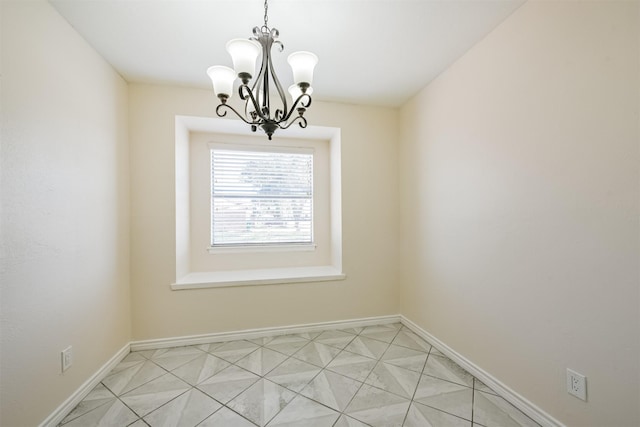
(302, 63)
(222, 79)
(244, 53)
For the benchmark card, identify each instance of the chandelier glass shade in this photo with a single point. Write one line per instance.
(260, 110)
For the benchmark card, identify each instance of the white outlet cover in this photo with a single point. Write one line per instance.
(66, 357)
(577, 384)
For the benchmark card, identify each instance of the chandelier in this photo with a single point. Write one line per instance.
(259, 110)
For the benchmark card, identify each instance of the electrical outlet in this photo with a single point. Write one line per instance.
(66, 358)
(577, 384)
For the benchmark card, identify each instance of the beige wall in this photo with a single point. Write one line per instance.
(519, 201)
(370, 218)
(518, 212)
(65, 248)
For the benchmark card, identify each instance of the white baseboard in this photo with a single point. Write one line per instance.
(259, 333)
(534, 412)
(67, 406)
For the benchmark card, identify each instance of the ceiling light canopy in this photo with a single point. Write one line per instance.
(258, 107)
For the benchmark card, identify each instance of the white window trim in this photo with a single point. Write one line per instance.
(185, 278)
(266, 247)
(276, 247)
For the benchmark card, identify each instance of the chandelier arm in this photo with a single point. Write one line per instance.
(266, 98)
(301, 100)
(259, 36)
(302, 121)
(283, 97)
(224, 113)
(257, 88)
(249, 94)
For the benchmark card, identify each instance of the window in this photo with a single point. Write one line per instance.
(261, 196)
(284, 260)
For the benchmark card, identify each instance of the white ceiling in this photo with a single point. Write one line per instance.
(375, 52)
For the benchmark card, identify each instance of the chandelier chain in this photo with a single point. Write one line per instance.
(266, 18)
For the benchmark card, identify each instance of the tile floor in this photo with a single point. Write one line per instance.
(379, 376)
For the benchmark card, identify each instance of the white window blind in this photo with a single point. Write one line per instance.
(261, 197)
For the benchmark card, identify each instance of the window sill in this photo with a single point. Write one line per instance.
(292, 247)
(223, 279)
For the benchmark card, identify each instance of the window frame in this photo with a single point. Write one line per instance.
(194, 269)
(263, 246)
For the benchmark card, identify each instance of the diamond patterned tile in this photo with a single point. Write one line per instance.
(187, 410)
(171, 358)
(210, 347)
(113, 413)
(354, 331)
(317, 354)
(394, 379)
(262, 340)
(293, 374)
(375, 376)
(377, 407)
(332, 390)
(382, 328)
(280, 339)
(436, 352)
(234, 350)
(145, 353)
(200, 368)
(346, 421)
(445, 369)
(124, 380)
(352, 365)
(339, 339)
(261, 361)
(367, 347)
(225, 417)
(262, 401)
(404, 357)
(228, 383)
(287, 344)
(309, 335)
(384, 333)
(130, 359)
(424, 416)
(490, 410)
(445, 396)
(408, 339)
(154, 394)
(479, 385)
(99, 396)
(304, 412)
